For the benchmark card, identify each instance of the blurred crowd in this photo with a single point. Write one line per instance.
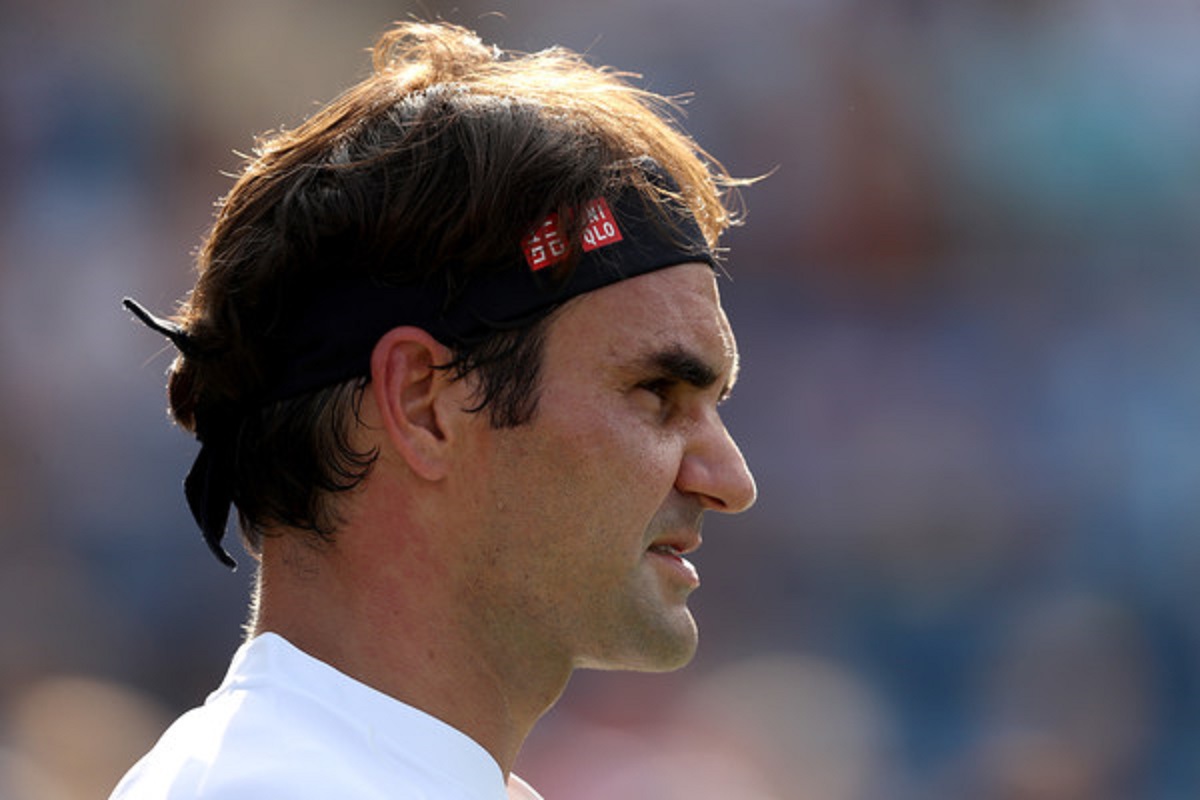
(967, 302)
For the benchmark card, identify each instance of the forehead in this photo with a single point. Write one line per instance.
(677, 308)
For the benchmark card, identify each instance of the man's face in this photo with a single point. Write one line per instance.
(585, 511)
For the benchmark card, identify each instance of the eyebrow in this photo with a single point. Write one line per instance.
(681, 364)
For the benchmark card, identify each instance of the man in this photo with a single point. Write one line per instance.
(455, 354)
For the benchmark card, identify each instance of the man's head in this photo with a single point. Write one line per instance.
(581, 520)
(421, 184)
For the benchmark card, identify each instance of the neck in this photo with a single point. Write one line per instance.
(398, 622)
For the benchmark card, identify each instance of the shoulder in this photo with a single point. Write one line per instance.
(288, 727)
(237, 747)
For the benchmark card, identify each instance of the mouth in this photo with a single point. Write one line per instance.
(670, 556)
(679, 544)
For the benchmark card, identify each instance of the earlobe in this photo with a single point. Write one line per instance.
(406, 383)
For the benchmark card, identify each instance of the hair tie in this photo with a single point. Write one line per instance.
(178, 336)
(209, 491)
(209, 484)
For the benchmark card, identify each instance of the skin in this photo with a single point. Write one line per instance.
(477, 568)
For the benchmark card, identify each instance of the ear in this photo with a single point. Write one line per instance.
(408, 389)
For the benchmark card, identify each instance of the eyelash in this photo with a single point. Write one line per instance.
(658, 386)
(663, 390)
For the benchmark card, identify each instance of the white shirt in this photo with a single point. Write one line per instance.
(286, 726)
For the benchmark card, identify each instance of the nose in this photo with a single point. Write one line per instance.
(714, 471)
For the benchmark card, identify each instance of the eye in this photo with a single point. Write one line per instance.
(658, 396)
(659, 387)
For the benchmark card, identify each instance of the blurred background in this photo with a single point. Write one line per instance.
(967, 301)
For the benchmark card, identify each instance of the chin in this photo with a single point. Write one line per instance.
(665, 663)
(660, 649)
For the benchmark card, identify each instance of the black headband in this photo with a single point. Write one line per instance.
(331, 338)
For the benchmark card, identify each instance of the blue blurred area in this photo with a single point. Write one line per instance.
(967, 302)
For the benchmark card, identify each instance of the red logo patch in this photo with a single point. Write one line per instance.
(547, 245)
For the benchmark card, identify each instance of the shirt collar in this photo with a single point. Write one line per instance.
(396, 729)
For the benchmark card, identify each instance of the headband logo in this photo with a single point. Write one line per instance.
(547, 246)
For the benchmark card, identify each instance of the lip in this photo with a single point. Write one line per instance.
(681, 542)
(668, 552)
(676, 567)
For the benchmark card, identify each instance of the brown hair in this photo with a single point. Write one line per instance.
(437, 163)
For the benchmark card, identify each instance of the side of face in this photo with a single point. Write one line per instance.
(584, 513)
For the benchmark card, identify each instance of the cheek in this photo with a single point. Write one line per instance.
(625, 477)
(572, 514)
(588, 482)
(622, 447)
